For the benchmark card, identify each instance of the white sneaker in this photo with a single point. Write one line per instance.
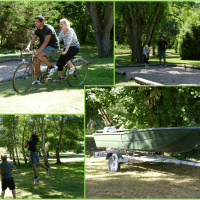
(50, 171)
(36, 82)
(71, 71)
(36, 180)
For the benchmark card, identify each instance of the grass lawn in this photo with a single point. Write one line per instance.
(171, 57)
(67, 180)
(101, 72)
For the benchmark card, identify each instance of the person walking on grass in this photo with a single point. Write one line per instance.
(162, 45)
(31, 145)
(146, 52)
(49, 45)
(7, 180)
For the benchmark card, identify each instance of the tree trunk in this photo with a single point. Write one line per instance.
(59, 141)
(23, 149)
(15, 145)
(13, 153)
(101, 28)
(43, 142)
(105, 117)
(135, 31)
(152, 23)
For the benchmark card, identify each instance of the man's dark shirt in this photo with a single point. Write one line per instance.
(48, 30)
(161, 45)
(32, 145)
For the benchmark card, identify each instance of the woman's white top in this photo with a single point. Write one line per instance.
(146, 51)
(69, 38)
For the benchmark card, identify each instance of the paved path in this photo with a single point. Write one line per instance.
(165, 76)
(7, 69)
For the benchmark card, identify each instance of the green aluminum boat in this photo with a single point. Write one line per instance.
(169, 139)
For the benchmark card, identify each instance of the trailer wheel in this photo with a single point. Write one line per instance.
(113, 164)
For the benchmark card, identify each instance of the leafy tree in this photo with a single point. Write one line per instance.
(58, 134)
(140, 19)
(77, 14)
(144, 107)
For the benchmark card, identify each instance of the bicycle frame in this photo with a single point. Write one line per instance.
(75, 79)
(31, 61)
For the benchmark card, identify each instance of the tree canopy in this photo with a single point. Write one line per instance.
(17, 22)
(141, 23)
(142, 107)
(61, 133)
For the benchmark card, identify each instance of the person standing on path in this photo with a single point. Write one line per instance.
(162, 45)
(146, 52)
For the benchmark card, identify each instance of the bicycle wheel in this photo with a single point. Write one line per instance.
(80, 74)
(23, 77)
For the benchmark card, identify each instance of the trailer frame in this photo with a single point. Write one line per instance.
(117, 157)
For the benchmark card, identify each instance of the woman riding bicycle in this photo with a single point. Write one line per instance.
(71, 47)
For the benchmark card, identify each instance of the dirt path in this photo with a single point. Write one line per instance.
(165, 76)
(7, 69)
(141, 180)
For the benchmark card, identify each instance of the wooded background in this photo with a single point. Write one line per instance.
(142, 107)
(142, 23)
(92, 21)
(58, 133)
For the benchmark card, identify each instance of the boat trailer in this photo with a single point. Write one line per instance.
(116, 158)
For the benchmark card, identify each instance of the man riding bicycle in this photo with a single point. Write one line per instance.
(49, 45)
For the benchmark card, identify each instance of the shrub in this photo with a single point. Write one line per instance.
(189, 49)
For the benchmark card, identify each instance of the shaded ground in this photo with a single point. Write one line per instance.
(139, 180)
(67, 180)
(166, 76)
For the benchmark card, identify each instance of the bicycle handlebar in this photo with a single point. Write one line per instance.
(30, 51)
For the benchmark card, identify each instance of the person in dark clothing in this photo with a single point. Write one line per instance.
(162, 45)
(49, 45)
(31, 145)
(6, 176)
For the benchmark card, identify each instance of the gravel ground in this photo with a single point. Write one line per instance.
(166, 76)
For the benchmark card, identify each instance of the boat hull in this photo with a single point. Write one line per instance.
(170, 139)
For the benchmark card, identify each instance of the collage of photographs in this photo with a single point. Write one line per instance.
(99, 100)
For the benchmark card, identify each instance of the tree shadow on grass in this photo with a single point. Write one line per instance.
(95, 76)
(67, 181)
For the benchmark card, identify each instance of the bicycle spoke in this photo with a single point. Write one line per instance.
(80, 74)
(23, 77)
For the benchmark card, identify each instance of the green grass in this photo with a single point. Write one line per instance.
(100, 72)
(67, 181)
(171, 57)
